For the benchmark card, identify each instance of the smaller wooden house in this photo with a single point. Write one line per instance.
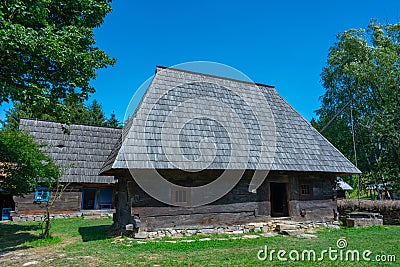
(83, 150)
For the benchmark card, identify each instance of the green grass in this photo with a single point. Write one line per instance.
(77, 242)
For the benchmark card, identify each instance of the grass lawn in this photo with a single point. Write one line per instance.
(78, 242)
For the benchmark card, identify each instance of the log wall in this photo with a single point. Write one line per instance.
(70, 201)
(236, 207)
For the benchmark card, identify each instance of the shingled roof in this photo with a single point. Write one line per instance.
(86, 147)
(201, 107)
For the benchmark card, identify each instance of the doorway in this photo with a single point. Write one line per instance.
(89, 198)
(279, 203)
(6, 205)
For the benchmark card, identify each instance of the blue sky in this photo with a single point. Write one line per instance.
(280, 43)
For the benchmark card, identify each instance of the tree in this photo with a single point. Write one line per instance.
(24, 165)
(56, 190)
(48, 53)
(113, 121)
(363, 69)
(78, 111)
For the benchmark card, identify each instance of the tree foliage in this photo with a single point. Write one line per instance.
(23, 165)
(79, 113)
(363, 67)
(48, 53)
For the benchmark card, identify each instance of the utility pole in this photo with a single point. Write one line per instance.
(355, 152)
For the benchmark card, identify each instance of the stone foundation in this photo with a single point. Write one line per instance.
(86, 214)
(281, 226)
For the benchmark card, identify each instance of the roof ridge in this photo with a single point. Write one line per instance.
(77, 124)
(214, 76)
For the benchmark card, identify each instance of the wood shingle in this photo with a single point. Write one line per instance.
(84, 147)
(172, 116)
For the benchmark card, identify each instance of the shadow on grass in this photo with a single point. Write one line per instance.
(93, 233)
(13, 235)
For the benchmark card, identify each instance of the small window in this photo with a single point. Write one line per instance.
(305, 189)
(41, 194)
(180, 196)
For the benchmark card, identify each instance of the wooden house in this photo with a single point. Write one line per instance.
(229, 126)
(82, 150)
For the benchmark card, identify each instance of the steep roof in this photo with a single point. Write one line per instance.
(86, 147)
(191, 120)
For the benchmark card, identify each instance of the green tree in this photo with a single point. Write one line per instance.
(95, 114)
(23, 165)
(113, 121)
(48, 52)
(78, 111)
(363, 69)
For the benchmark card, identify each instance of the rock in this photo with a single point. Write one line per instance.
(141, 235)
(222, 239)
(220, 231)
(307, 236)
(170, 241)
(257, 230)
(292, 232)
(141, 242)
(237, 232)
(251, 227)
(29, 263)
(161, 235)
(177, 235)
(173, 232)
(265, 229)
(333, 226)
(257, 225)
(117, 240)
(205, 239)
(282, 227)
(232, 228)
(269, 234)
(191, 232)
(250, 236)
(188, 240)
(321, 225)
(152, 234)
(206, 231)
(129, 227)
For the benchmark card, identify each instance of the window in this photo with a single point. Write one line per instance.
(180, 196)
(305, 191)
(41, 194)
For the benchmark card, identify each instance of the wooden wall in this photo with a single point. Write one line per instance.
(70, 201)
(238, 206)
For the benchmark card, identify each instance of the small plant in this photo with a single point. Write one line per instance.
(58, 190)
